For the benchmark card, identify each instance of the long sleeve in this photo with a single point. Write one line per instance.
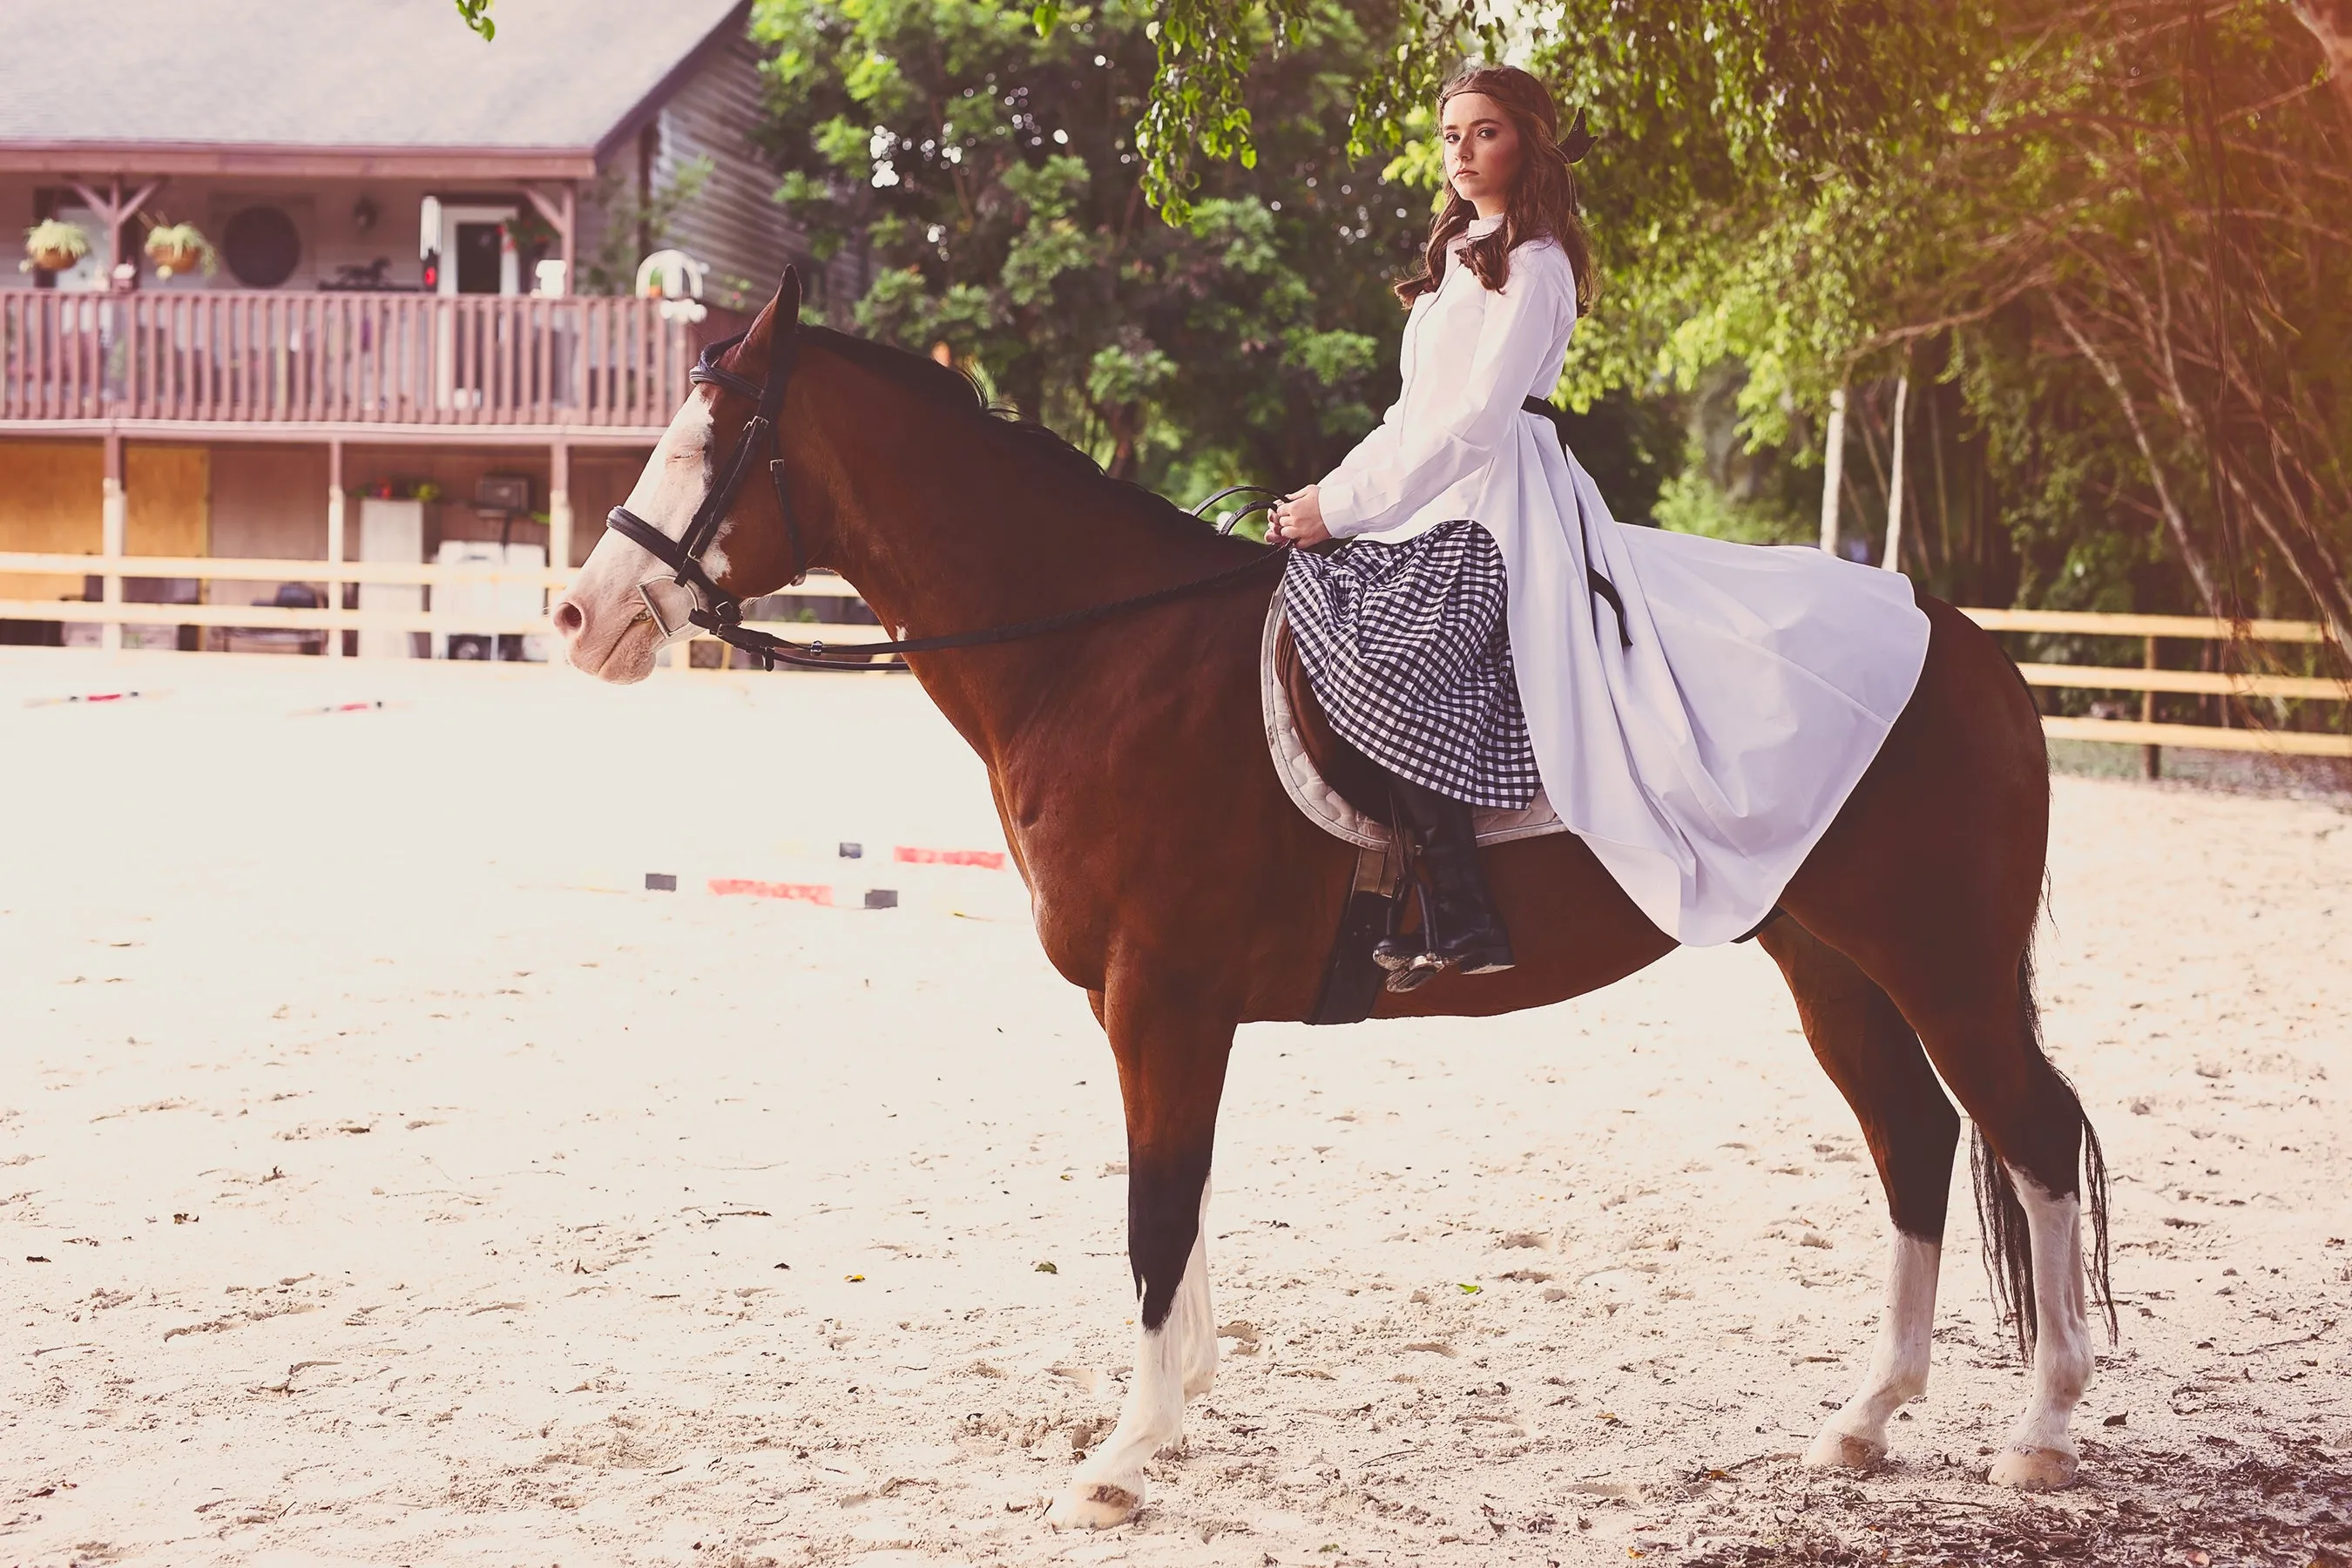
(1408, 462)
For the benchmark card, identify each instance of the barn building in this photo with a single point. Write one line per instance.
(412, 327)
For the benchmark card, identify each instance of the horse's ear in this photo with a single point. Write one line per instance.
(785, 307)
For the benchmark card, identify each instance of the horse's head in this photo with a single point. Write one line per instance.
(625, 604)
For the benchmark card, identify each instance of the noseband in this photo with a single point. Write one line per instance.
(721, 612)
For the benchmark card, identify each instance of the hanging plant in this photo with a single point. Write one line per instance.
(180, 248)
(53, 245)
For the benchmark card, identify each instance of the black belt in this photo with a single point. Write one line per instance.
(1602, 589)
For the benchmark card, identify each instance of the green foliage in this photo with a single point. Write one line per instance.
(476, 14)
(981, 183)
(2110, 246)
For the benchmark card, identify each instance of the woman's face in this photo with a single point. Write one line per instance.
(1482, 151)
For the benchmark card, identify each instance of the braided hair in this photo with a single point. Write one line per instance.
(1544, 201)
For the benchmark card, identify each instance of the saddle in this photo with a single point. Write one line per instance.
(1346, 794)
(1335, 787)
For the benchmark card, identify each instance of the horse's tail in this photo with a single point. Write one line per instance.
(2001, 1215)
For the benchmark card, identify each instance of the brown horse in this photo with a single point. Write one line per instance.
(1171, 877)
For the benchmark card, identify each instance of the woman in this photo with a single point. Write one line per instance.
(1695, 711)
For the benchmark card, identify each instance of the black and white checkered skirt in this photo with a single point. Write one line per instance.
(1409, 651)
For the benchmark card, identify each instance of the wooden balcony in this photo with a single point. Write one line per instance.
(234, 364)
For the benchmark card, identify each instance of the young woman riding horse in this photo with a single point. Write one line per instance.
(1739, 737)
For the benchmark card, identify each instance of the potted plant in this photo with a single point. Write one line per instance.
(53, 245)
(180, 248)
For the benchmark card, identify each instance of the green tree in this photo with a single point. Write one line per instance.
(982, 187)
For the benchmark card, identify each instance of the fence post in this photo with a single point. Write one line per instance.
(113, 518)
(335, 504)
(559, 506)
(2151, 758)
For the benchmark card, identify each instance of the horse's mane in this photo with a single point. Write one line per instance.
(952, 389)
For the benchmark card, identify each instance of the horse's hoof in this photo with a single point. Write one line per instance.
(1093, 1505)
(2030, 1469)
(1197, 1383)
(1836, 1450)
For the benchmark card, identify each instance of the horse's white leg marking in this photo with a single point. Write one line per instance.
(2040, 1456)
(1172, 1363)
(1191, 1317)
(1855, 1438)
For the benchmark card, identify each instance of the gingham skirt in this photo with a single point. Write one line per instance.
(1408, 651)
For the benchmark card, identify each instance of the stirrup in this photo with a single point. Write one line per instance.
(1425, 967)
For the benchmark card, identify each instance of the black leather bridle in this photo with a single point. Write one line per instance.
(721, 612)
(716, 610)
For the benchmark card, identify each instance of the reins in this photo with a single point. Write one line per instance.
(721, 612)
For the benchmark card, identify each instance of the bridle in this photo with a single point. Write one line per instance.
(720, 613)
(715, 610)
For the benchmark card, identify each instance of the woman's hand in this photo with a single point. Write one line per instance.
(1298, 519)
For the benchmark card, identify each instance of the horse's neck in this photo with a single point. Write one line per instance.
(962, 530)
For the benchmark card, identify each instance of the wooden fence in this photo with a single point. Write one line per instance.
(329, 576)
(2148, 679)
(256, 357)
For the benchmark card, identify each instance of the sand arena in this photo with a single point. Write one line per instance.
(382, 1182)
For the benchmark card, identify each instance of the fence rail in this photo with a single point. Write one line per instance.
(342, 358)
(330, 575)
(2146, 679)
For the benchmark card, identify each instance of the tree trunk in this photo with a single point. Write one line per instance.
(2176, 522)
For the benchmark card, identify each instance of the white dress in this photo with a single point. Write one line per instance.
(1703, 761)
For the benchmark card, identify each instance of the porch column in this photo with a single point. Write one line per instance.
(113, 517)
(559, 507)
(335, 504)
(570, 232)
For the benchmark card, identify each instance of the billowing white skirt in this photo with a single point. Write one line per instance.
(1704, 758)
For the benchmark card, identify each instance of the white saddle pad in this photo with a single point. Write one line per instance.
(1325, 807)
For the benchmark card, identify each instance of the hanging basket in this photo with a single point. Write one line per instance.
(51, 246)
(178, 247)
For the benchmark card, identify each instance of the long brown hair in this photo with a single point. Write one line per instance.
(1543, 202)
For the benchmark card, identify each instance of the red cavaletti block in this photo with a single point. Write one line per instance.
(993, 859)
(807, 892)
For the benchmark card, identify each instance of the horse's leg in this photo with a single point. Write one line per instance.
(1874, 1059)
(1172, 1048)
(1931, 880)
(2030, 1203)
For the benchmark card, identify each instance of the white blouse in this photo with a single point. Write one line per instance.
(1469, 355)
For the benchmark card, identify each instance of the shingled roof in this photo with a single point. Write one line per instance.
(384, 84)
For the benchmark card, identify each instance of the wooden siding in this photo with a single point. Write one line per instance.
(735, 225)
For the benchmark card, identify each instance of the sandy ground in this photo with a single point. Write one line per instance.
(375, 1189)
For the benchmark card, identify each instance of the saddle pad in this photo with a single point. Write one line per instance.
(1324, 806)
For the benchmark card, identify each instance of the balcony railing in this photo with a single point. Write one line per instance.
(335, 359)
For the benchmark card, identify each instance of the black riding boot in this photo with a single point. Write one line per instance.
(1460, 928)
